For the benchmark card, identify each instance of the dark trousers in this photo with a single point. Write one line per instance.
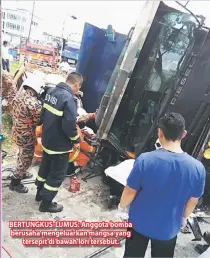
(136, 246)
(51, 174)
(5, 64)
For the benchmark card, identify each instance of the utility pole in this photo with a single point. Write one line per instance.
(62, 33)
(21, 30)
(32, 16)
(59, 57)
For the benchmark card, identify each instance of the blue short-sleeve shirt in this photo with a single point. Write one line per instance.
(165, 181)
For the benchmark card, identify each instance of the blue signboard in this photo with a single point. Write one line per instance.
(71, 49)
(13, 52)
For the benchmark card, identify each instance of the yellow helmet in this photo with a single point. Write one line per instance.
(206, 153)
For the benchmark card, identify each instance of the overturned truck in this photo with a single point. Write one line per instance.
(165, 69)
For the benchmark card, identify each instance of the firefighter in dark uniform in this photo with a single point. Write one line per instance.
(59, 137)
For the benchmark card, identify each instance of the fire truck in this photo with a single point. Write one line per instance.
(39, 54)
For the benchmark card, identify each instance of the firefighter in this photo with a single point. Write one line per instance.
(25, 111)
(77, 158)
(59, 135)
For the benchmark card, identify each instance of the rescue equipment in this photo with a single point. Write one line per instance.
(74, 185)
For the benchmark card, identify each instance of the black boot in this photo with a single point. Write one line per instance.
(15, 185)
(38, 197)
(201, 248)
(52, 207)
(206, 237)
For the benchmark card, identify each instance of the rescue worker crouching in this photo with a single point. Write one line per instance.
(25, 111)
(77, 158)
(59, 115)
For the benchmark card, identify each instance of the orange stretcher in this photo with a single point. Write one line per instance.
(76, 156)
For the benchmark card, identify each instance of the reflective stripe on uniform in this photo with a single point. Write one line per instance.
(51, 152)
(53, 110)
(37, 156)
(50, 188)
(74, 138)
(40, 179)
(75, 156)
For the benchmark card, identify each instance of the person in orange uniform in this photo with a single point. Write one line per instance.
(77, 157)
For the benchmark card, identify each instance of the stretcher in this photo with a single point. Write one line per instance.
(120, 172)
(117, 178)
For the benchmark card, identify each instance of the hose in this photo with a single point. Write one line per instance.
(101, 250)
(6, 251)
(19, 74)
(32, 181)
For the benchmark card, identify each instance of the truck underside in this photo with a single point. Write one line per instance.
(171, 74)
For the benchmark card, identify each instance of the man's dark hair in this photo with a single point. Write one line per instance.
(75, 77)
(173, 126)
(5, 43)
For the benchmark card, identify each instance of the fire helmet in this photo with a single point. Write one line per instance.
(34, 82)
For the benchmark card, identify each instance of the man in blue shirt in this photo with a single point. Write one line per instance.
(162, 190)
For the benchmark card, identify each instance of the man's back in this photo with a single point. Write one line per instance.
(168, 181)
(59, 118)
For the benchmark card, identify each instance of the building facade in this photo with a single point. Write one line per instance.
(16, 26)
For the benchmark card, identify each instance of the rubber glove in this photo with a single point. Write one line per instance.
(122, 213)
(184, 222)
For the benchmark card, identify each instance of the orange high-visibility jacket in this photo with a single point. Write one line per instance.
(76, 156)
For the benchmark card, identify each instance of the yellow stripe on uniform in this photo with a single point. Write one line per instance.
(74, 138)
(40, 179)
(74, 156)
(53, 110)
(50, 188)
(51, 152)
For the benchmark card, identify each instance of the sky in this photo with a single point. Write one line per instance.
(121, 14)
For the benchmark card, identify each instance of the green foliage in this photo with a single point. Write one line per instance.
(14, 66)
